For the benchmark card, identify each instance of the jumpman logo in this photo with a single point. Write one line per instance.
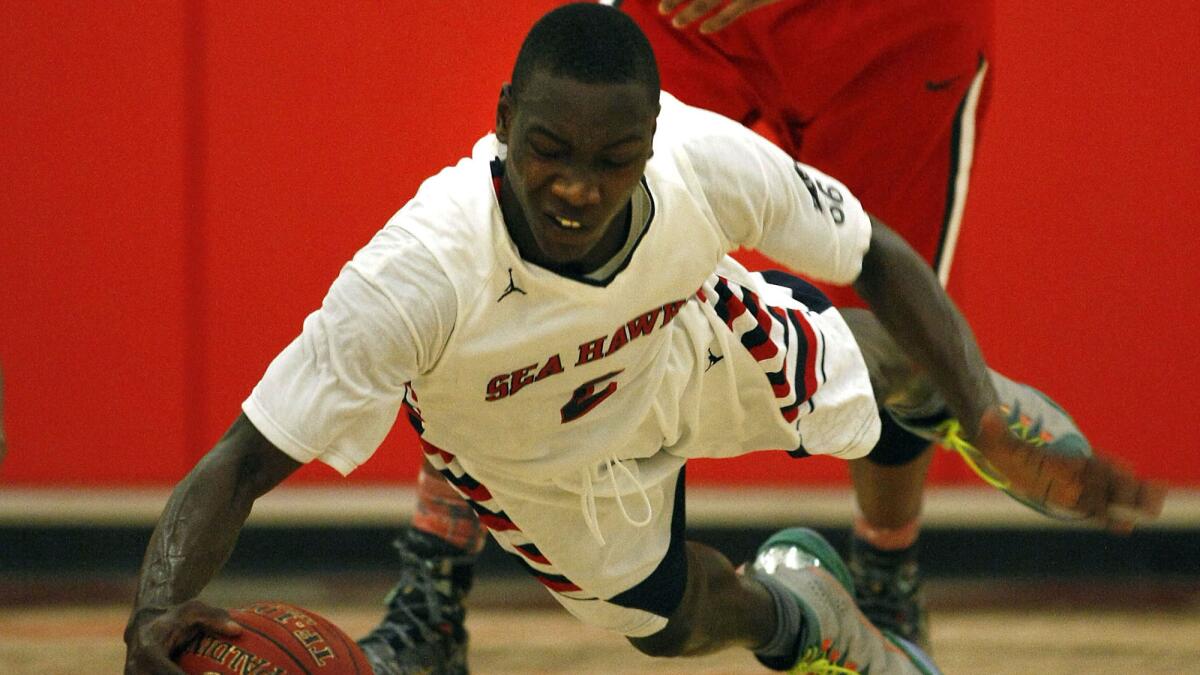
(713, 360)
(512, 288)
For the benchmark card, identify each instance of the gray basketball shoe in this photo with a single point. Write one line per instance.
(422, 632)
(1032, 416)
(887, 587)
(835, 637)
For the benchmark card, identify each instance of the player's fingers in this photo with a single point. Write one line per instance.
(692, 11)
(1112, 495)
(1140, 501)
(730, 13)
(1121, 512)
(197, 614)
(1151, 497)
(1059, 482)
(226, 627)
(1071, 485)
(1042, 478)
(668, 6)
(1097, 479)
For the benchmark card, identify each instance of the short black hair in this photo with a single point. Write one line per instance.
(587, 42)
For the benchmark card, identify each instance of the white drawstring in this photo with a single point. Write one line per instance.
(641, 491)
(587, 502)
(587, 498)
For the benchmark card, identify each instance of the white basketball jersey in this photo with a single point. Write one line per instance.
(542, 374)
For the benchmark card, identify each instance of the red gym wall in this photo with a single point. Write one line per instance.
(179, 183)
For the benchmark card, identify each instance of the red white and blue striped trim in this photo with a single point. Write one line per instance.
(503, 529)
(784, 341)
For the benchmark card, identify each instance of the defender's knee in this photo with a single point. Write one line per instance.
(896, 446)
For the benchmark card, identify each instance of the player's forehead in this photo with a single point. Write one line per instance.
(581, 111)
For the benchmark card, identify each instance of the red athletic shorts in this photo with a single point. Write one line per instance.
(885, 96)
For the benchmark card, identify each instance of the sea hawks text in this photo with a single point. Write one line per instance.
(508, 383)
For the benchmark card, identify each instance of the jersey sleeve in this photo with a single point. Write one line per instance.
(335, 391)
(762, 199)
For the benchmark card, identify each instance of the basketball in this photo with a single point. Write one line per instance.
(277, 639)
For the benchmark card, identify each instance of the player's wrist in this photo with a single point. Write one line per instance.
(140, 617)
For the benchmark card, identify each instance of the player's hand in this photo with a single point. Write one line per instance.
(1094, 488)
(154, 635)
(694, 9)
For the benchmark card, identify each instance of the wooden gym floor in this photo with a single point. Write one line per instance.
(978, 627)
(63, 612)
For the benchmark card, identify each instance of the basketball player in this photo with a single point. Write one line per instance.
(888, 97)
(565, 413)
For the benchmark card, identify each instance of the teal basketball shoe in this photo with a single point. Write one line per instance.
(835, 637)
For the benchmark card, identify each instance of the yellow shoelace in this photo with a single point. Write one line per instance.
(950, 437)
(815, 661)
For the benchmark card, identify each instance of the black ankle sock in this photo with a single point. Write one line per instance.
(781, 652)
(452, 561)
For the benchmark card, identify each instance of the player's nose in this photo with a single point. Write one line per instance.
(578, 189)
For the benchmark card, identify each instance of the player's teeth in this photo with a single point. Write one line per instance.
(568, 223)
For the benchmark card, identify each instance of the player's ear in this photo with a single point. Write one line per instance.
(504, 113)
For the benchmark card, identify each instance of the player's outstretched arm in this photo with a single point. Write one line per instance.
(730, 11)
(193, 539)
(910, 303)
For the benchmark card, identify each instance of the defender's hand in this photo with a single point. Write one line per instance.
(1094, 487)
(694, 9)
(154, 635)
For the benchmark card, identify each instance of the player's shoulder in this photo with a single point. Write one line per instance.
(703, 140)
(683, 125)
(463, 186)
(449, 225)
(457, 202)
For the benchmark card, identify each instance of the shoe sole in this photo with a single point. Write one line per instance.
(915, 653)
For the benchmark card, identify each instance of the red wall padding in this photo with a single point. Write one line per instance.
(93, 278)
(180, 182)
